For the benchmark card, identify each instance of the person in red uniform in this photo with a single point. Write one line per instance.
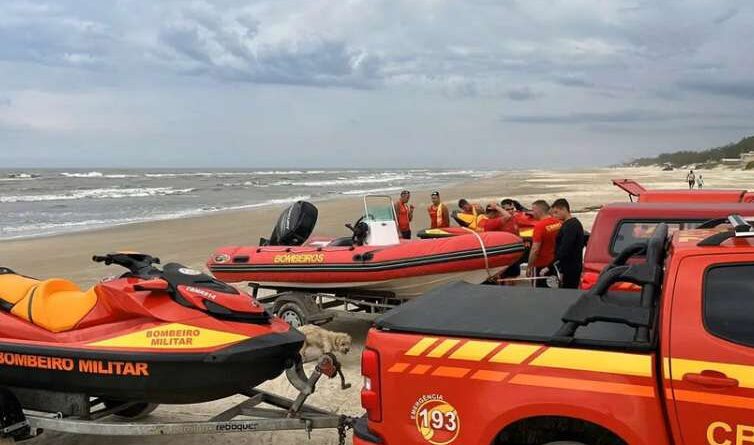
(439, 215)
(497, 219)
(405, 213)
(522, 215)
(542, 254)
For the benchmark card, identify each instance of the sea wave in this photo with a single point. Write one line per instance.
(451, 173)
(368, 191)
(260, 204)
(372, 179)
(105, 193)
(42, 229)
(83, 175)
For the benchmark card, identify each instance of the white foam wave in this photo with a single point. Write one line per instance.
(262, 204)
(83, 175)
(372, 179)
(368, 191)
(105, 193)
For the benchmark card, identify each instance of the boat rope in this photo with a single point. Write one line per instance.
(484, 251)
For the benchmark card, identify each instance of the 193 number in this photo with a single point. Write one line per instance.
(437, 420)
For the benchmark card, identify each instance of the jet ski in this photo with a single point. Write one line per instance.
(372, 259)
(151, 335)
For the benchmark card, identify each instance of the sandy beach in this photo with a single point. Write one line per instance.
(191, 240)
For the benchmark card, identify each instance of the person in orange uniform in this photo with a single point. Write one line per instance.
(405, 213)
(542, 254)
(439, 215)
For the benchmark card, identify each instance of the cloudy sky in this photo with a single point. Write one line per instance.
(370, 83)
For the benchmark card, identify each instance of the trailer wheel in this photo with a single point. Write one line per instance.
(564, 443)
(134, 412)
(293, 314)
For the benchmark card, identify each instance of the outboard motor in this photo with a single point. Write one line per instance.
(294, 226)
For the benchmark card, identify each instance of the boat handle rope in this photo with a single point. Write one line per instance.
(484, 251)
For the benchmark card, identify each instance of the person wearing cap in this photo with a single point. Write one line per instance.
(439, 216)
(405, 213)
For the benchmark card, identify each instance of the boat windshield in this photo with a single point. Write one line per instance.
(378, 208)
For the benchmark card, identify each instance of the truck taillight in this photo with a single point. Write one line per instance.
(370, 393)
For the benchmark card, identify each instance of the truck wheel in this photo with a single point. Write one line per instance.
(293, 314)
(133, 412)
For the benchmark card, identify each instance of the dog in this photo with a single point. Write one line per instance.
(320, 341)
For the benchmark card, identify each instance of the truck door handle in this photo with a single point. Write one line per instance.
(711, 378)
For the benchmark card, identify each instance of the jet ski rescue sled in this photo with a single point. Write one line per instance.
(71, 358)
(173, 335)
(372, 259)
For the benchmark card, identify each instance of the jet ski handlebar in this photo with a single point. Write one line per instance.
(138, 264)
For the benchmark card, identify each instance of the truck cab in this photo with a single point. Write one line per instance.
(671, 364)
(619, 225)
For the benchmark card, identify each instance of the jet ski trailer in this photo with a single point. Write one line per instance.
(261, 411)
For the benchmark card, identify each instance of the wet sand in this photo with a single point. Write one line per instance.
(191, 240)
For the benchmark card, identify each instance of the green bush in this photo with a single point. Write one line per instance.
(709, 156)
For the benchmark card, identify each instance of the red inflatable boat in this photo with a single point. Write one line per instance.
(373, 258)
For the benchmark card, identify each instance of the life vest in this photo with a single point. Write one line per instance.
(437, 216)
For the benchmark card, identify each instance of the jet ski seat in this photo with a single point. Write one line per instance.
(56, 305)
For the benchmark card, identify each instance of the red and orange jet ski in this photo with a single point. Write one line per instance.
(170, 335)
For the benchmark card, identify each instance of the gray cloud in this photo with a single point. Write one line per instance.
(742, 89)
(203, 41)
(51, 35)
(434, 76)
(574, 81)
(522, 94)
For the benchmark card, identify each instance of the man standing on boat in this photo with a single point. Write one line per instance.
(405, 213)
(439, 216)
(569, 245)
(542, 254)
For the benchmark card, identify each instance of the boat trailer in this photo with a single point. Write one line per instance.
(260, 411)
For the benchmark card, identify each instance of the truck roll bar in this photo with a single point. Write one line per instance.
(595, 305)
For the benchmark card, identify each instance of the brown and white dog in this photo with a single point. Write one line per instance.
(320, 341)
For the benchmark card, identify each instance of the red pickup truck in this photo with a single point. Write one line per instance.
(672, 364)
(641, 194)
(619, 225)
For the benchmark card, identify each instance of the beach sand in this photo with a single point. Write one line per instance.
(191, 240)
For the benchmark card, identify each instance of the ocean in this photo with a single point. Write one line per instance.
(45, 202)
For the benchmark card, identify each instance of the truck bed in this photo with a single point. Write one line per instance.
(505, 313)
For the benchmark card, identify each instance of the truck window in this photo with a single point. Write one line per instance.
(630, 232)
(729, 303)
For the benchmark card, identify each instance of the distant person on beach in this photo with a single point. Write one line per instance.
(497, 219)
(439, 216)
(691, 179)
(405, 214)
(699, 182)
(569, 245)
(542, 254)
